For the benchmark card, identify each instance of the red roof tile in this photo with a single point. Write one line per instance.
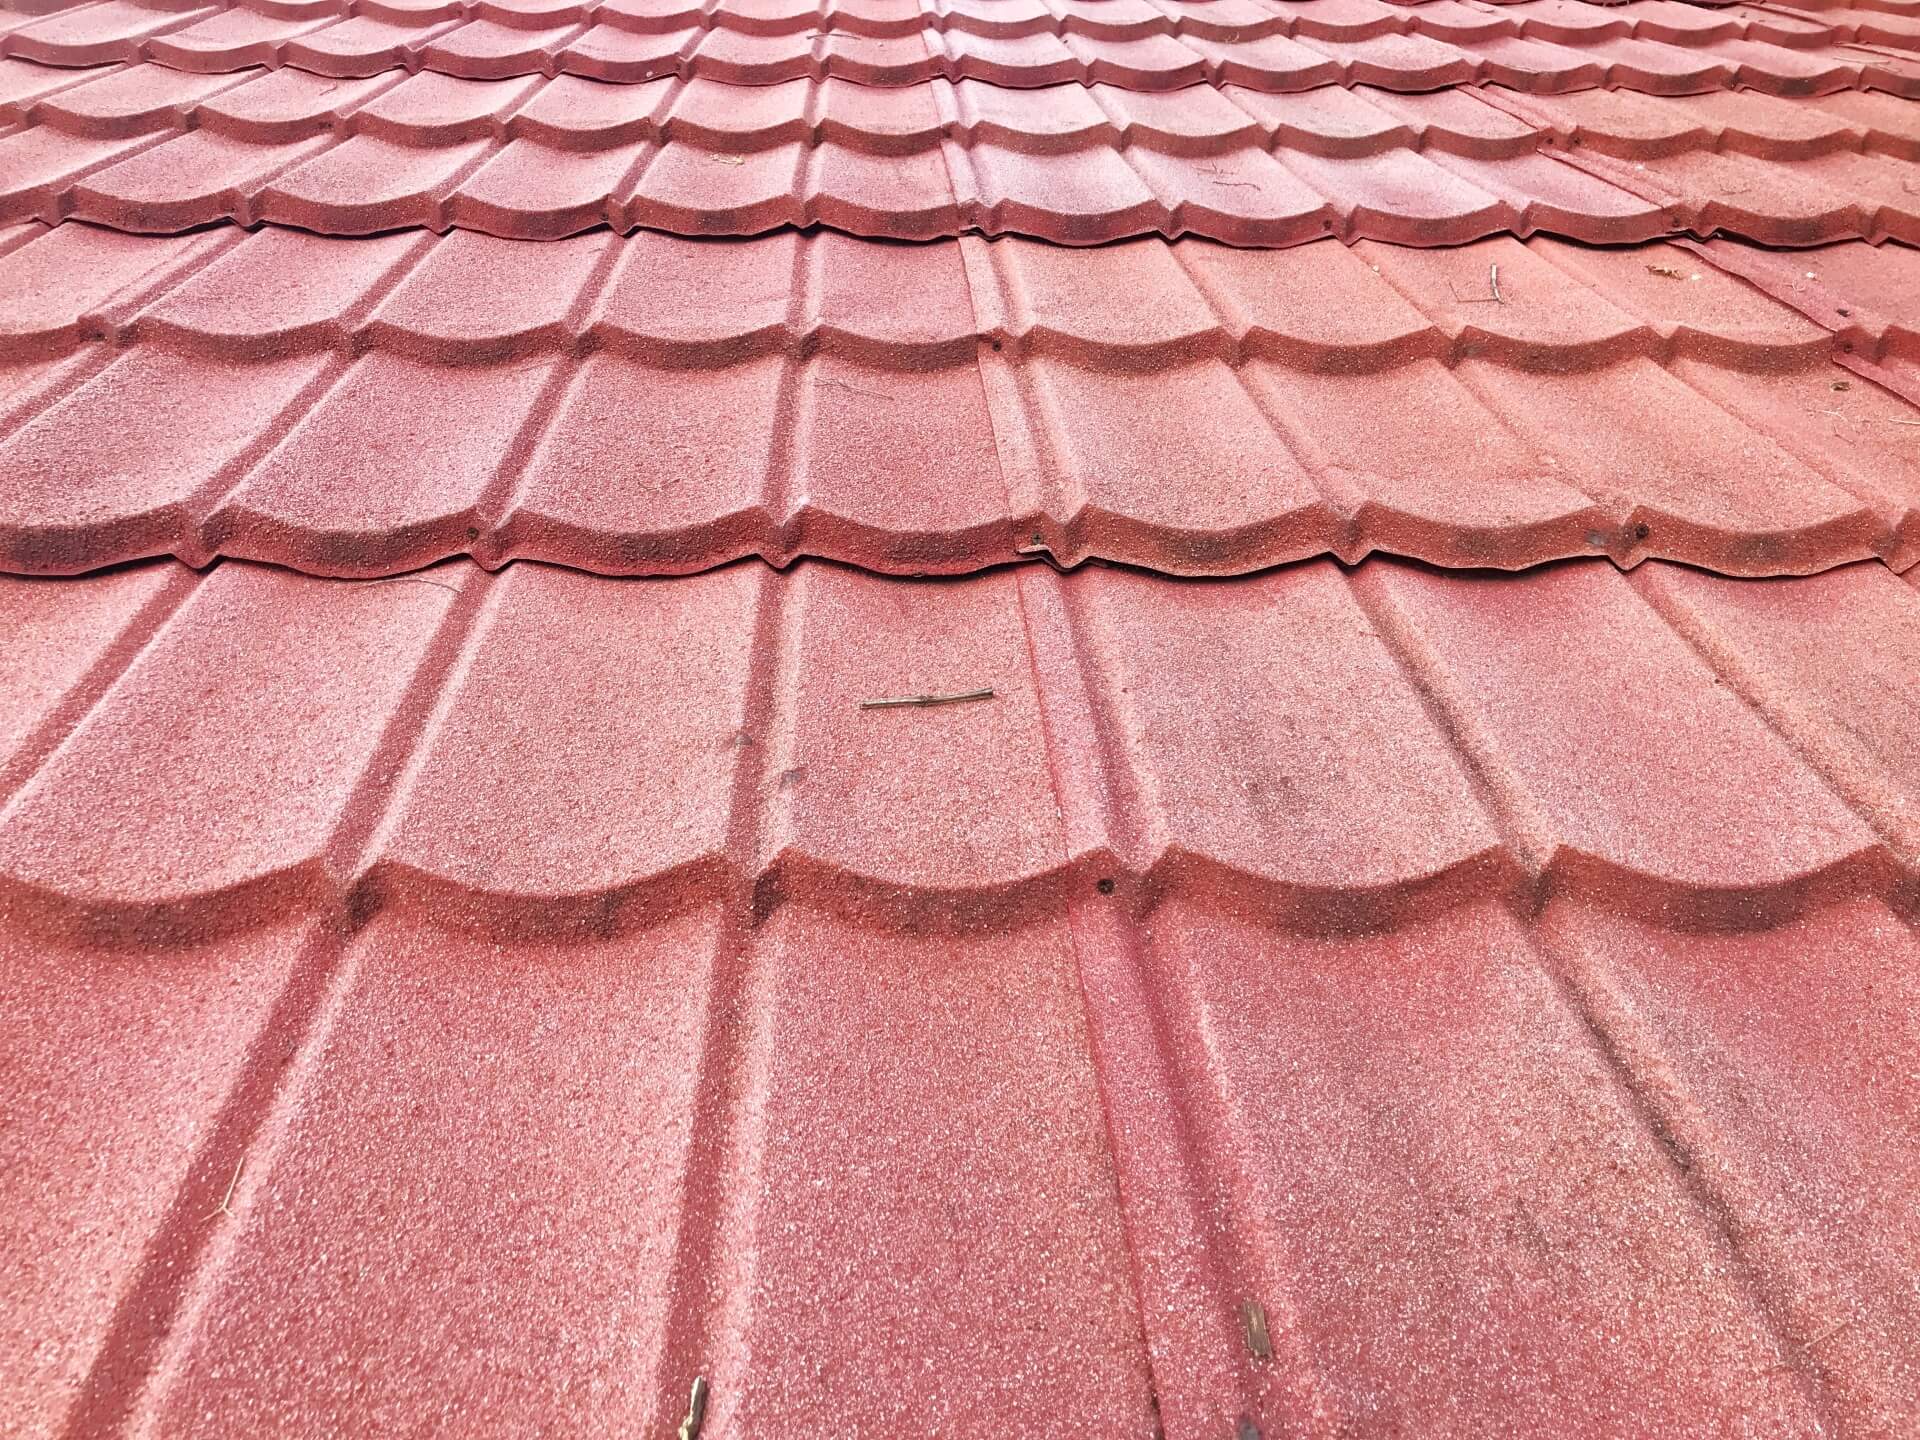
(361, 406)
(1351, 998)
(1268, 44)
(1493, 733)
(1312, 1024)
(147, 148)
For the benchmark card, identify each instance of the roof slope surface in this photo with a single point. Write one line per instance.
(150, 149)
(454, 992)
(1253, 938)
(1273, 45)
(655, 405)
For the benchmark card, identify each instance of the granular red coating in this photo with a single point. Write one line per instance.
(656, 405)
(1329, 747)
(940, 981)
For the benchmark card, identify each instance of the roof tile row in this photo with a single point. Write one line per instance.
(1585, 1167)
(1661, 47)
(658, 405)
(1110, 20)
(1312, 746)
(1315, 182)
(426, 110)
(1896, 27)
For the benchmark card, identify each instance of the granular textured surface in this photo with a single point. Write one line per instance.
(656, 405)
(1653, 46)
(151, 149)
(1251, 934)
(1181, 719)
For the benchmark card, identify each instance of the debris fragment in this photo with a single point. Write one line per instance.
(1493, 286)
(1806, 1350)
(696, 1410)
(1832, 1330)
(853, 389)
(1843, 385)
(1213, 173)
(1671, 272)
(896, 702)
(1253, 1318)
(720, 158)
(225, 1207)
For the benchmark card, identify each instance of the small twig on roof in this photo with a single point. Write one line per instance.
(1212, 172)
(853, 389)
(1833, 1330)
(226, 1200)
(412, 580)
(1253, 1320)
(1864, 419)
(904, 700)
(1493, 284)
(696, 1410)
(1817, 1341)
(1839, 432)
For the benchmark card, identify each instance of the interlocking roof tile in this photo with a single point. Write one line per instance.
(146, 148)
(1142, 44)
(1176, 973)
(1252, 937)
(658, 405)
(1492, 736)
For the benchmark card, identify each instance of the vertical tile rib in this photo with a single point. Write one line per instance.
(1684, 1136)
(504, 492)
(1186, 1273)
(398, 751)
(72, 709)
(1839, 759)
(695, 1304)
(1522, 826)
(154, 1320)
(779, 522)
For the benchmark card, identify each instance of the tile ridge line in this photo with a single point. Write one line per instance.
(1635, 1062)
(68, 717)
(696, 1309)
(156, 1318)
